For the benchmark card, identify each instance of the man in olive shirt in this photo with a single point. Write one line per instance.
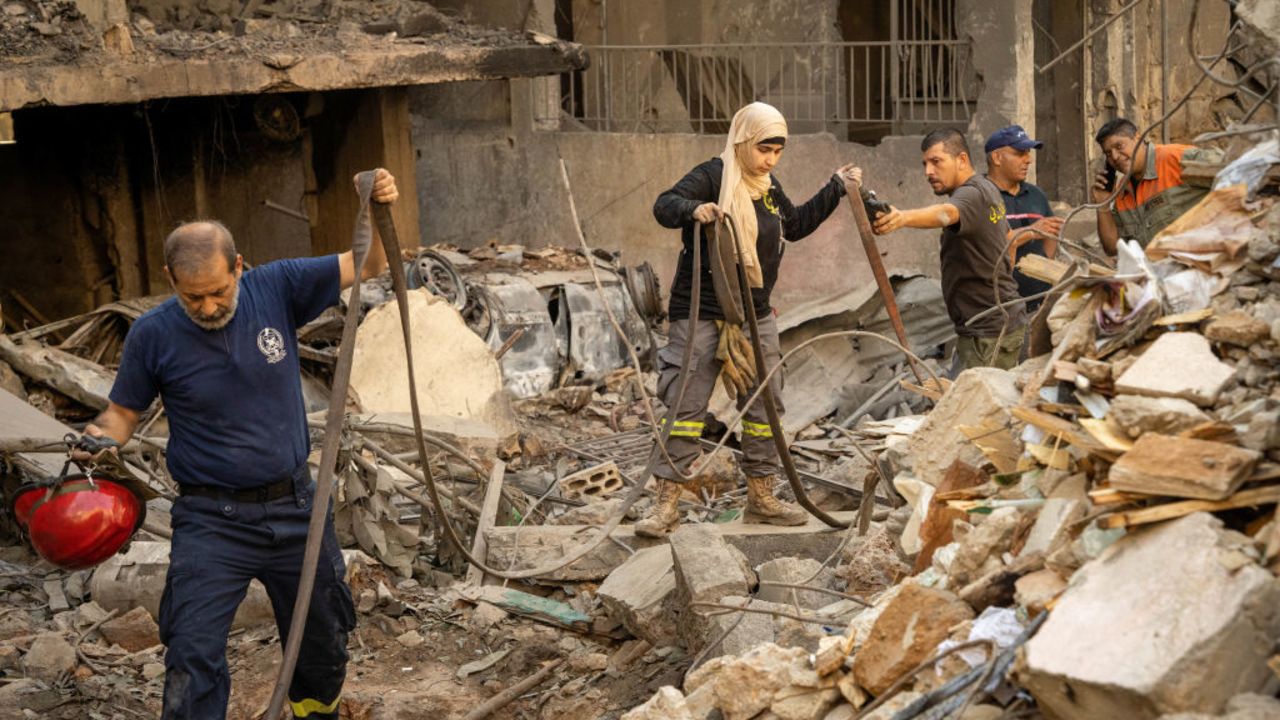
(975, 236)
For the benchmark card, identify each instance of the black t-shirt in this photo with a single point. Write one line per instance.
(1030, 200)
(776, 220)
(972, 253)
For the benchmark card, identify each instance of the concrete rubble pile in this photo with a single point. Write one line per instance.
(1094, 534)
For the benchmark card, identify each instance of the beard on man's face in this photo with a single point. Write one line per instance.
(219, 319)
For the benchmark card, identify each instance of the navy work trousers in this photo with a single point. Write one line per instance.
(219, 545)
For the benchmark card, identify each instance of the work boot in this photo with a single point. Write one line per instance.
(763, 507)
(664, 516)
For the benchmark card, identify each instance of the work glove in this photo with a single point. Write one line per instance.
(737, 365)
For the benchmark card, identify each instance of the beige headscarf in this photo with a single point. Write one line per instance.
(738, 188)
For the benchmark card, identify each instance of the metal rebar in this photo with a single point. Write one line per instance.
(1089, 35)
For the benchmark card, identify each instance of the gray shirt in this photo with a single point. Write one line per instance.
(972, 253)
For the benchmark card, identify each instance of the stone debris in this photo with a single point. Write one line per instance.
(1183, 467)
(638, 595)
(794, 571)
(1170, 627)
(1180, 365)
(49, 657)
(906, 634)
(133, 631)
(1136, 414)
(706, 571)
(978, 393)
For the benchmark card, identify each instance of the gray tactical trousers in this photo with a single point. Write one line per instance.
(760, 457)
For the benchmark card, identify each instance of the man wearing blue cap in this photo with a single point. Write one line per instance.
(1008, 160)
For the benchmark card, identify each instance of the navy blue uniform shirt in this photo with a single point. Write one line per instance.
(1029, 200)
(233, 395)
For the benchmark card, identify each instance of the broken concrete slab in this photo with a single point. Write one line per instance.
(1170, 628)
(747, 684)
(978, 393)
(636, 595)
(705, 571)
(1178, 364)
(133, 631)
(666, 704)
(1034, 591)
(81, 380)
(1183, 467)
(136, 579)
(539, 545)
(593, 513)
(1237, 328)
(1246, 706)
(456, 371)
(1136, 414)
(742, 631)
(906, 633)
(794, 571)
(49, 656)
(1053, 525)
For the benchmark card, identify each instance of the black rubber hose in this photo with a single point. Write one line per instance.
(770, 405)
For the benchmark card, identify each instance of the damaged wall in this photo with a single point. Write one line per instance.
(90, 192)
(480, 135)
(615, 179)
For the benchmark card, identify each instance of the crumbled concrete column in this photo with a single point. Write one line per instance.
(1158, 623)
(637, 594)
(706, 570)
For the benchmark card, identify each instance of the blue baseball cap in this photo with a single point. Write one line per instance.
(1013, 136)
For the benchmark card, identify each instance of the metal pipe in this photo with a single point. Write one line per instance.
(1164, 67)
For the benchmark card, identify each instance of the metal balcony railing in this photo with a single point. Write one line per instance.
(853, 89)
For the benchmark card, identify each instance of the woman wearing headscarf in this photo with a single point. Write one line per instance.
(738, 182)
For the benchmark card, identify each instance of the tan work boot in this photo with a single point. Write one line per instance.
(763, 507)
(664, 516)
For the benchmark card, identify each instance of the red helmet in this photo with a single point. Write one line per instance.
(80, 522)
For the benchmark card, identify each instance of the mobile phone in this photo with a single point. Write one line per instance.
(1110, 171)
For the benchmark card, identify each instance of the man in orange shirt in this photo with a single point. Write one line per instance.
(1154, 195)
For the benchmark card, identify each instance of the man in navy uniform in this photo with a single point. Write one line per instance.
(222, 354)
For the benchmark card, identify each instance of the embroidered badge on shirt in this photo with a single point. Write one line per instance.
(271, 343)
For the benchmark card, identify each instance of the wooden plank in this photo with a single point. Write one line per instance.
(1170, 511)
(488, 513)
(1194, 317)
(930, 388)
(1042, 268)
(1107, 434)
(1111, 496)
(1054, 457)
(1058, 427)
(995, 441)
